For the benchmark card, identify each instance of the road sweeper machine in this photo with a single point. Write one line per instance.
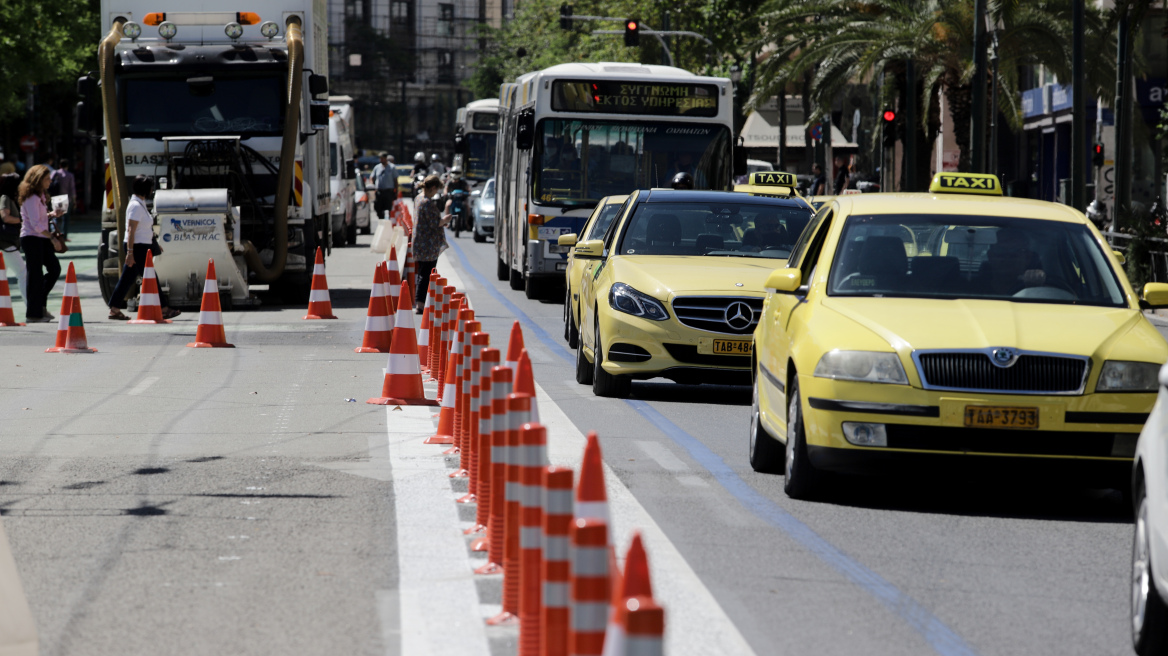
(225, 105)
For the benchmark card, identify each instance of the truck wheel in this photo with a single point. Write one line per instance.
(516, 280)
(479, 239)
(502, 271)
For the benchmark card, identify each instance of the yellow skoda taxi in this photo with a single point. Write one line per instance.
(915, 326)
(594, 228)
(674, 288)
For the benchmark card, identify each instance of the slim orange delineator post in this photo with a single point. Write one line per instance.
(590, 587)
(500, 456)
(533, 456)
(469, 411)
(518, 413)
(637, 624)
(480, 469)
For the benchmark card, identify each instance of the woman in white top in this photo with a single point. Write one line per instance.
(139, 237)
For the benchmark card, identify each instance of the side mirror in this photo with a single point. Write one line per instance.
(566, 240)
(317, 85)
(525, 130)
(1156, 294)
(787, 281)
(318, 115)
(593, 249)
(1119, 257)
(740, 167)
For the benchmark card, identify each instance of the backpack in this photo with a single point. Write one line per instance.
(55, 183)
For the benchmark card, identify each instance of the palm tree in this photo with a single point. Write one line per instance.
(837, 42)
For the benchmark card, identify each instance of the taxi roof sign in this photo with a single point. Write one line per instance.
(772, 179)
(985, 184)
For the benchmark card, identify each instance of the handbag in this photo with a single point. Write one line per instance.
(59, 244)
(155, 247)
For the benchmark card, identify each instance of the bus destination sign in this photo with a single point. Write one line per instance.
(629, 97)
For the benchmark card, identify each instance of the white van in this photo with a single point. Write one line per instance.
(342, 183)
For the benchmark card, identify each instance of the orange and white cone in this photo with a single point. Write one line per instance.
(410, 271)
(591, 497)
(448, 332)
(515, 347)
(471, 350)
(437, 321)
(7, 318)
(210, 332)
(501, 381)
(75, 341)
(525, 382)
(464, 330)
(556, 573)
(424, 334)
(480, 408)
(378, 321)
(448, 398)
(403, 374)
(319, 305)
(590, 587)
(637, 623)
(533, 447)
(394, 278)
(149, 303)
(518, 414)
(63, 316)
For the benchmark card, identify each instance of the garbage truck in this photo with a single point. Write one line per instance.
(225, 105)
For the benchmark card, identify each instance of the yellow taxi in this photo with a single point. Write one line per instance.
(910, 327)
(674, 288)
(594, 228)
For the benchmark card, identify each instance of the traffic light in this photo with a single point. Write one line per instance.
(888, 128)
(632, 32)
(565, 16)
(1097, 154)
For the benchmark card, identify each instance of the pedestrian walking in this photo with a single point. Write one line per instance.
(139, 240)
(818, 180)
(842, 175)
(38, 243)
(10, 231)
(64, 184)
(385, 180)
(429, 238)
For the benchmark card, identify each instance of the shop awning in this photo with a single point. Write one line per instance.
(762, 131)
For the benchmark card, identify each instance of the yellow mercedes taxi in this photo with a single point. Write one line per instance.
(594, 228)
(674, 288)
(908, 328)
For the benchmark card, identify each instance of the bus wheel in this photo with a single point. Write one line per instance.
(534, 288)
(502, 271)
(516, 280)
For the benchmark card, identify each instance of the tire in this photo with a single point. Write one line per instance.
(583, 366)
(479, 239)
(604, 383)
(351, 233)
(516, 280)
(767, 455)
(1149, 614)
(534, 288)
(573, 330)
(802, 479)
(502, 271)
(338, 236)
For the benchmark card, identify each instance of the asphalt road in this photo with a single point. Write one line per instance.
(161, 499)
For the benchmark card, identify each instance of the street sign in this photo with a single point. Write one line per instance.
(28, 143)
(817, 131)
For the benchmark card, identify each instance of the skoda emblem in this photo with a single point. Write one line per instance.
(739, 315)
(1004, 357)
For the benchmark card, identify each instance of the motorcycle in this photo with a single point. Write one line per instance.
(460, 211)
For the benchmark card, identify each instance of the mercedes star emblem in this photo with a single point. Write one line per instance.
(739, 315)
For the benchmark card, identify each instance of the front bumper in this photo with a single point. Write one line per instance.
(542, 262)
(485, 225)
(1096, 427)
(642, 349)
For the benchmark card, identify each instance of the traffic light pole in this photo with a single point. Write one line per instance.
(1078, 111)
(660, 34)
(977, 140)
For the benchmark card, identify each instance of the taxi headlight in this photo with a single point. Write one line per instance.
(866, 366)
(1123, 376)
(630, 301)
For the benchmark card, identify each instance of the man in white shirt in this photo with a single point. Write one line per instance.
(139, 238)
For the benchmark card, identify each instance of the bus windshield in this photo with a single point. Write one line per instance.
(480, 156)
(202, 104)
(578, 162)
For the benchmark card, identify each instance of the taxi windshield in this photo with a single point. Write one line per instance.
(975, 257)
(605, 214)
(729, 229)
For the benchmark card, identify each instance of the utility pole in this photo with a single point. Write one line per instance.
(977, 136)
(1122, 118)
(910, 125)
(1078, 111)
(782, 163)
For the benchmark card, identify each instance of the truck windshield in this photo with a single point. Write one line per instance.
(201, 103)
(480, 157)
(579, 162)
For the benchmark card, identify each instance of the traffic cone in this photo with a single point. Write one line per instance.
(63, 317)
(378, 320)
(449, 333)
(533, 450)
(385, 286)
(448, 401)
(410, 271)
(634, 593)
(7, 318)
(500, 455)
(403, 374)
(424, 336)
(525, 382)
(590, 586)
(149, 304)
(467, 417)
(556, 573)
(518, 414)
(394, 278)
(591, 497)
(319, 305)
(515, 347)
(480, 410)
(437, 320)
(210, 332)
(465, 318)
(75, 341)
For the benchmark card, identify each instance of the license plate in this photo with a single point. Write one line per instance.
(551, 234)
(992, 416)
(731, 347)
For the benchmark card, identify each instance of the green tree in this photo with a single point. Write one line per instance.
(44, 43)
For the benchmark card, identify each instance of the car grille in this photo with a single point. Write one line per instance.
(709, 313)
(688, 354)
(1031, 373)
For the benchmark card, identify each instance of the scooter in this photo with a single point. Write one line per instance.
(460, 210)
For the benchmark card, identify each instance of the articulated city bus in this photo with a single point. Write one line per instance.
(477, 130)
(572, 134)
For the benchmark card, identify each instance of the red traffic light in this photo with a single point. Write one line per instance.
(633, 25)
(1098, 149)
(889, 115)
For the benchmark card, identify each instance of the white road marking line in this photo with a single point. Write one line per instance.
(691, 480)
(142, 386)
(695, 622)
(438, 601)
(662, 456)
(388, 615)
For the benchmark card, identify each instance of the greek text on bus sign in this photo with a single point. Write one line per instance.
(629, 97)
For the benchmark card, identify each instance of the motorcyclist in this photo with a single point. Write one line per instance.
(420, 167)
(682, 180)
(458, 200)
(436, 165)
